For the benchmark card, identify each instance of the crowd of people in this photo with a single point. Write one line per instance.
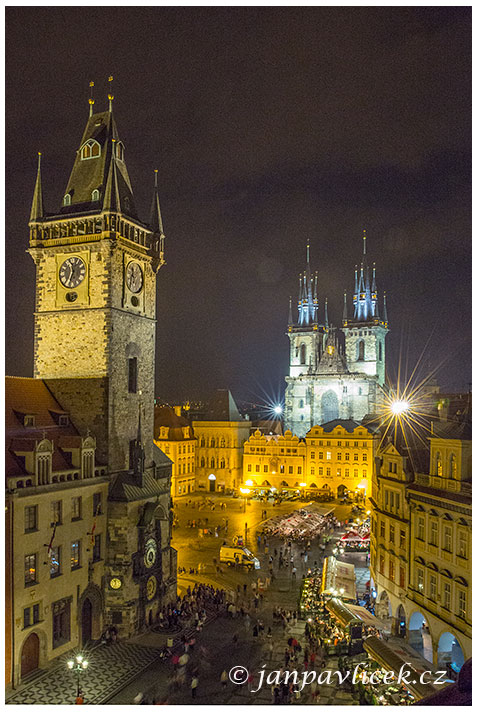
(301, 525)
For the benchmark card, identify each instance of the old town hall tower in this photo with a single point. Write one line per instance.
(335, 373)
(94, 348)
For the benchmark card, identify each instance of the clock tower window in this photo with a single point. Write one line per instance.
(133, 374)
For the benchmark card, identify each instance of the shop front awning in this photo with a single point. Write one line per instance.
(341, 612)
(391, 660)
(338, 578)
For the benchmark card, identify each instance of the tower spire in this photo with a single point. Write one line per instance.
(344, 315)
(365, 242)
(156, 221)
(37, 212)
(91, 101)
(112, 201)
(110, 93)
(385, 316)
(326, 315)
(290, 322)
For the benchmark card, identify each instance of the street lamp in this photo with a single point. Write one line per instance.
(78, 665)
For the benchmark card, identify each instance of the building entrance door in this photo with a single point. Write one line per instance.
(30, 654)
(86, 616)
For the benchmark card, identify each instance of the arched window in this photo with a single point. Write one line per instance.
(301, 403)
(361, 351)
(330, 406)
(303, 354)
(95, 195)
(120, 151)
(91, 149)
(223, 464)
(213, 462)
(380, 351)
(213, 442)
(223, 443)
(439, 465)
(67, 199)
(453, 466)
(203, 442)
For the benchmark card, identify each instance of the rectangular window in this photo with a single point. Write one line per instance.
(36, 612)
(291, 469)
(433, 534)
(26, 617)
(397, 503)
(312, 470)
(355, 473)
(328, 455)
(355, 456)
(391, 570)
(339, 456)
(447, 539)
(327, 471)
(55, 569)
(31, 519)
(420, 579)
(386, 498)
(421, 529)
(321, 455)
(132, 374)
(97, 548)
(56, 512)
(258, 468)
(75, 554)
(97, 503)
(381, 565)
(299, 470)
(61, 622)
(462, 604)
(76, 508)
(462, 545)
(347, 456)
(382, 530)
(249, 468)
(402, 577)
(391, 534)
(30, 569)
(266, 468)
(433, 588)
(339, 471)
(339, 443)
(321, 471)
(447, 596)
(312, 455)
(282, 469)
(355, 443)
(328, 443)
(402, 539)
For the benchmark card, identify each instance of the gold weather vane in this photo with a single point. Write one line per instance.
(110, 91)
(91, 101)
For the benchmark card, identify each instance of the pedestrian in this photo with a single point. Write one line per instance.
(194, 686)
(224, 679)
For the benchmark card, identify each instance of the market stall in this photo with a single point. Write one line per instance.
(338, 578)
(302, 525)
(389, 659)
(355, 541)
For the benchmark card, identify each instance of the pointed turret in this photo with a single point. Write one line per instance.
(111, 200)
(326, 317)
(37, 212)
(155, 221)
(385, 315)
(138, 453)
(290, 321)
(344, 314)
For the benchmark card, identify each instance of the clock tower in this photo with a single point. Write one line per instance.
(94, 347)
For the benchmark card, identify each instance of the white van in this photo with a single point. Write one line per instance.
(239, 556)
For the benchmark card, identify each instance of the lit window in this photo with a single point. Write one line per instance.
(447, 596)
(75, 554)
(95, 195)
(67, 199)
(55, 561)
(91, 149)
(328, 455)
(462, 604)
(30, 569)
(420, 579)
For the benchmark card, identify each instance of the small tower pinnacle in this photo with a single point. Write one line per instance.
(156, 221)
(110, 92)
(37, 212)
(344, 315)
(112, 201)
(290, 322)
(365, 242)
(91, 101)
(326, 315)
(385, 316)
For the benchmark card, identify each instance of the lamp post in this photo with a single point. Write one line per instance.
(78, 666)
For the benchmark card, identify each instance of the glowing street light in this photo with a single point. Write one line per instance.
(399, 406)
(249, 483)
(78, 666)
(278, 409)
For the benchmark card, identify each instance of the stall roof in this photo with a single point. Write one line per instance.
(336, 575)
(341, 612)
(365, 616)
(389, 659)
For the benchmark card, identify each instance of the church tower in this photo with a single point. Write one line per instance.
(96, 267)
(365, 332)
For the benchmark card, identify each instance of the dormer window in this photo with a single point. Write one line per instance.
(120, 151)
(95, 195)
(91, 149)
(29, 421)
(67, 199)
(63, 420)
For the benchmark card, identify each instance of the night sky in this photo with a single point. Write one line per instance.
(270, 127)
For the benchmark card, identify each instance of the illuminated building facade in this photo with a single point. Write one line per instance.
(421, 544)
(220, 434)
(173, 434)
(94, 360)
(336, 458)
(335, 374)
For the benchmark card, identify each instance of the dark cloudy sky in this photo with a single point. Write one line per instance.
(270, 127)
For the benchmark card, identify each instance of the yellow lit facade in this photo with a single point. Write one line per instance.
(336, 459)
(220, 448)
(174, 436)
(421, 547)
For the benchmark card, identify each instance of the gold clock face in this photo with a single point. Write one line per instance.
(115, 583)
(151, 586)
(134, 277)
(150, 552)
(72, 272)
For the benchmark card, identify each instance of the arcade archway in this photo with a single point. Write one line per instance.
(401, 622)
(419, 635)
(450, 653)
